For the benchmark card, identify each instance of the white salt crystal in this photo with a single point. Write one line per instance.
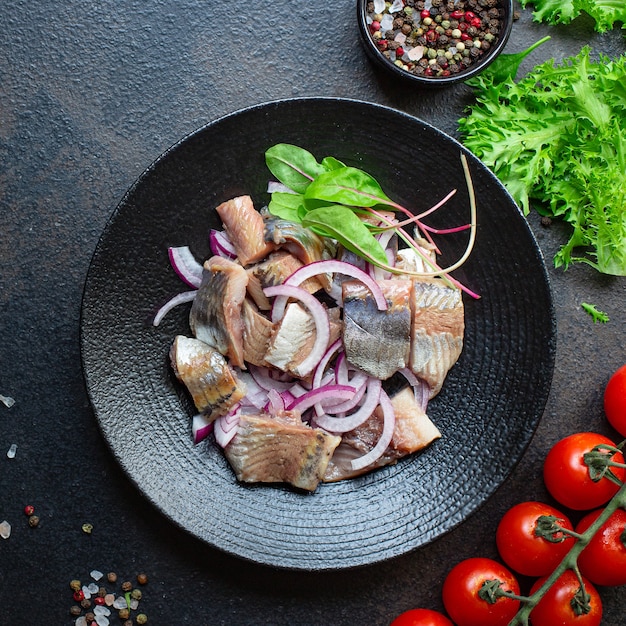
(11, 451)
(415, 54)
(379, 6)
(109, 599)
(93, 588)
(397, 5)
(386, 23)
(102, 620)
(96, 575)
(134, 604)
(86, 591)
(5, 529)
(8, 401)
(120, 603)
(400, 38)
(81, 621)
(101, 610)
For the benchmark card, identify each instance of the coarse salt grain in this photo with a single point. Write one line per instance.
(81, 621)
(397, 5)
(93, 588)
(86, 592)
(109, 599)
(8, 401)
(379, 6)
(134, 604)
(101, 610)
(120, 603)
(400, 38)
(11, 451)
(416, 53)
(5, 529)
(96, 575)
(386, 23)
(102, 620)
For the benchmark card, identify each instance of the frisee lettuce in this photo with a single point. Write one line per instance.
(558, 137)
(604, 12)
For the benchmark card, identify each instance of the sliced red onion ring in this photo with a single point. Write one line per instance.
(185, 265)
(420, 387)
(201, 427)
(226, 428)
(320, 317)
(255, 396)
(346, 406)
(331, 266)
(221, 244)
(350, 422)
(276, 402)
(263, 379)
(273, 186)
(389, 422)
(324, 361)
(327, 395)
(185, 296)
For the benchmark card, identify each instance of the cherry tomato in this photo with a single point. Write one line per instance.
(421, 617)
(567, 476)
(603, 561)
(615, 401)
(526, 541)
(562, 604)
(461, 597)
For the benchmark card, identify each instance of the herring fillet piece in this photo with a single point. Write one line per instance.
(257, 332)
(215, 315)
(437, 330)
(213, 385)
(271, 450)
(377, 342)
(245, 228)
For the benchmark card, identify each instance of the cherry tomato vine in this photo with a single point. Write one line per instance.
(582, 471)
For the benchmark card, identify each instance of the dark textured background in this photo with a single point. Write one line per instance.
(90, 94)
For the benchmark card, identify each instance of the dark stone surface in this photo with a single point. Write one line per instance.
(90, 95)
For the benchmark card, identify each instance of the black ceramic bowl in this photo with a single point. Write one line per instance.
(487, 410)
(418, 46)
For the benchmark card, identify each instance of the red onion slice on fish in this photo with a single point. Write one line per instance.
(320, 318)
(201, 427)
(420, 387)
(324, 361)
(329, 395)
(331, 266)
(185, 296)
(350, 422)
(389, 422)
(346, 406)
(185, 265)
(225, 428)
(262, 378)
(221, 244)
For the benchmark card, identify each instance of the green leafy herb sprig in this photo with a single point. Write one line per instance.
(605, 13)
(558, 136)
(349, 205)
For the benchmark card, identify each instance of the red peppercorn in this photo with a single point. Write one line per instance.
(79, 595)
(457, 15)
(29, 509)
(476, 22)
(428, 71)
(424, 13)
(99, 600)
(399, 51)
(432, 35)
(445, 73)
(465, 37)
(383, 44)
(375, 26)
(469, 15)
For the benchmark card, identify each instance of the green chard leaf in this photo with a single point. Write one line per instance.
(346, 185)
(288, 206)
(292, 166)
(342, 224)
(330, 163)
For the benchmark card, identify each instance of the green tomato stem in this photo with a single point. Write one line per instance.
(570, 561)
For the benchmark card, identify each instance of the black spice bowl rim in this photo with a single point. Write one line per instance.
(378, 58)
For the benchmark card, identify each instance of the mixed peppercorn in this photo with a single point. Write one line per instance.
(435, 38)
(94, 603)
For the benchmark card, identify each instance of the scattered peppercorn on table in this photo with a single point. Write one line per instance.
(91, 94)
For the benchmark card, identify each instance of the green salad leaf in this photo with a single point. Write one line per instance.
(596, 314)
(558, 137)
(604, 12)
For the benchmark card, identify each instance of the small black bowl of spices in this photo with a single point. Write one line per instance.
(434, 42)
